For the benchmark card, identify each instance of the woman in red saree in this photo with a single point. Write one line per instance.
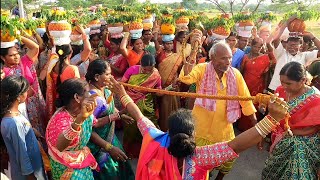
(295, 154)
(254, 69)
(145, 75)
(117, 61)
(174, 155)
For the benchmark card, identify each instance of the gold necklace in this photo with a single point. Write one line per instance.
(97, 90)
(14, 113)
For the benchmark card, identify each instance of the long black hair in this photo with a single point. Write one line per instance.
(63, 52)
(68, 89)
(96, 67)
(11, 88)
(181, 130)
(294, 71)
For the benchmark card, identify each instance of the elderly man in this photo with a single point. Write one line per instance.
(214, 118)
(291, 52)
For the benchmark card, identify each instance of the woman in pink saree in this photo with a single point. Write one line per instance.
(69, 131)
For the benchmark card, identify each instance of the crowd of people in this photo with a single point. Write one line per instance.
(61, 105)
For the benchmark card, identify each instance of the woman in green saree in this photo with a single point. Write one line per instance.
(296, 155)
(145, 75)
(104, 144)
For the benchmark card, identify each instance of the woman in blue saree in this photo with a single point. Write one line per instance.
(104, 144)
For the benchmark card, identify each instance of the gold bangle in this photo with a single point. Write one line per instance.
(273, 120)
(259, 131)
(263, 129)
(74, 122)
(125, 100)
(108, 147)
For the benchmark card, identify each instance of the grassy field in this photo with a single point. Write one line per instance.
(314, 27)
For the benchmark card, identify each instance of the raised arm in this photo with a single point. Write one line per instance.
(86, 44)
(123, 46)
(33, 48)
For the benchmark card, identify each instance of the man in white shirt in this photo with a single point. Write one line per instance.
(288, 54)
(291, 52)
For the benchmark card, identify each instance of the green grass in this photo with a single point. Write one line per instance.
(314, 27)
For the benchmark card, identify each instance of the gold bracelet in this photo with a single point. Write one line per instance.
(108, 147)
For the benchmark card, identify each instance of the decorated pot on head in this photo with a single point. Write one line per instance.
(182, 21)
(41, 28)
(60, 31)
(266, 23)
(246, 25)
(8, 40)
(41, 31)
(220, 33)
(135, 29)
(167, 28)
(115, 30)
(95, 26)
(76, 37)
(297, 25)
(167, 37)
(244, 33)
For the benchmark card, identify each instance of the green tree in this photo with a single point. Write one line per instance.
(10, 4)
(189, 4)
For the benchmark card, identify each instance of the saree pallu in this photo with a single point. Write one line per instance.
(109, 168)
(51, 88)
(254, 73)
(132, 138)
(296, 157)
(168, 69)
(76, 161)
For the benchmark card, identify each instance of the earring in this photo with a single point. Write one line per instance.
(18, 100)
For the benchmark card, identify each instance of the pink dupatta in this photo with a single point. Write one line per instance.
(208, 87)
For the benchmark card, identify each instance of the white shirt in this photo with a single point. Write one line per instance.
(283, 57)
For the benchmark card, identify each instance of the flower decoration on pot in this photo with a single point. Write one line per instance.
(267, 18)
(10, 31)
(41, 26)
(298, 24)
(244, 21)
(181, 17)
(167, 26)
(166, 13)
(59, 28)
(196, 21)
(148, 22)
(30, 25)
(219, 28)
(115, 25)
(135, 26)
(5, 12)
